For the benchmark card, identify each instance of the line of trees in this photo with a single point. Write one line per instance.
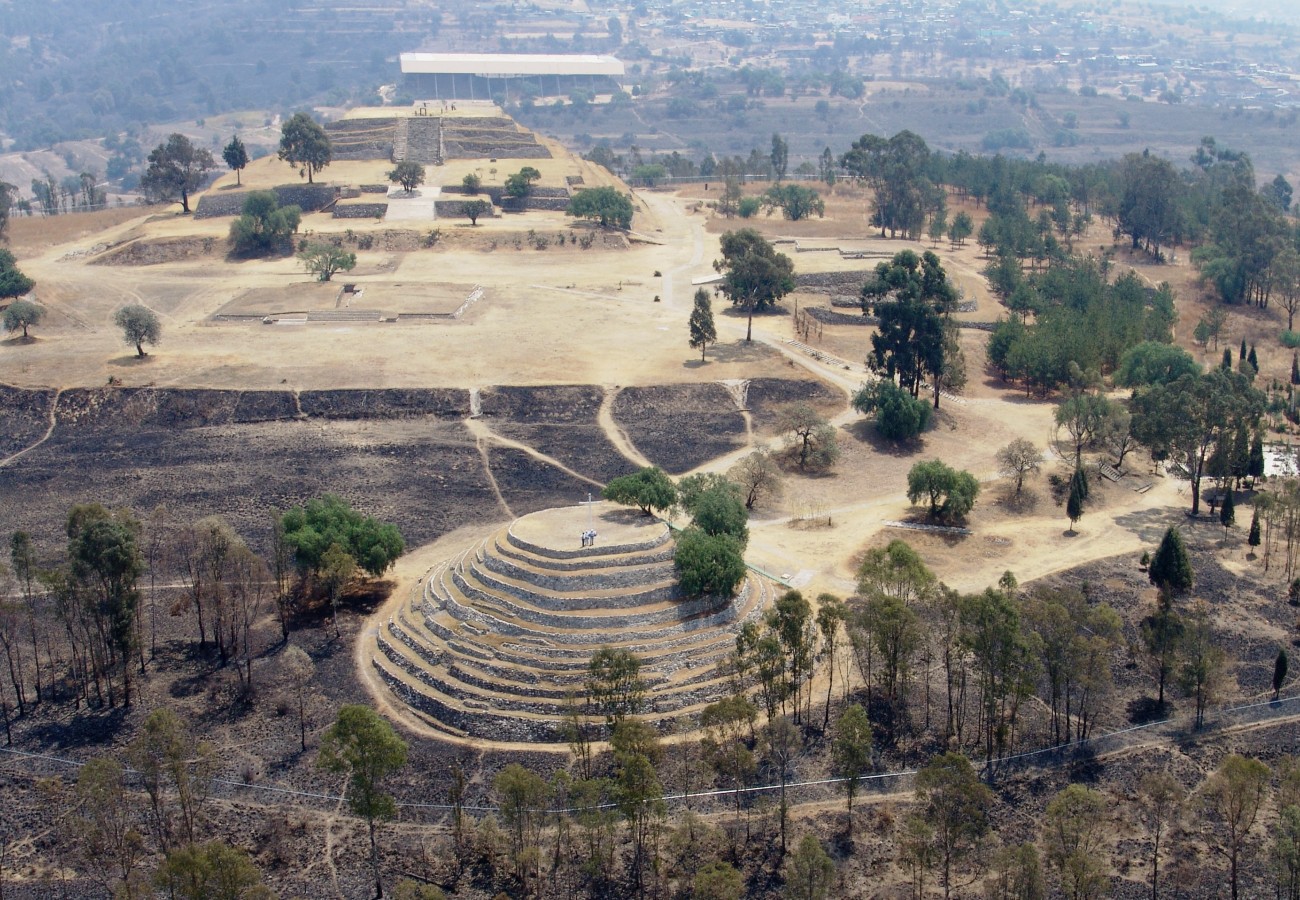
(83, 629)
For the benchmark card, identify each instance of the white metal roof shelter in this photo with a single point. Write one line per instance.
(506, 65)
(450, 76)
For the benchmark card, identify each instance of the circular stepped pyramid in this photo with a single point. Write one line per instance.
(499, 637)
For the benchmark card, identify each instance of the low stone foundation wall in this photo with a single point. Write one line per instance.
(360, 210)
(307, 197)
(455, 209)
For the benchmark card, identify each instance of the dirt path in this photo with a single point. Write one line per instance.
(484, 434)
(53, 420)
(480, 443)
(617, 436)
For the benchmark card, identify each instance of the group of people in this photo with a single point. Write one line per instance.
(589, 539)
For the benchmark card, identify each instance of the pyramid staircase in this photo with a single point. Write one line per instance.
(500, 636)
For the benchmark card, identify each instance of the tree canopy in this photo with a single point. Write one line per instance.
(912, 297)
(324, 259)
(605, 204)
(755, 276)
(409, 174)
(139, 326)
(795, 201)
(702, 329)
(264, 226)
(13, 283)
(328, 520)
(21, 315)
(649, 489)
(304, 144)
(235, 155)
(950, 493)
(176, 169)
(899, 416)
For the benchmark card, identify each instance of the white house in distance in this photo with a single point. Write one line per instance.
(486, 76)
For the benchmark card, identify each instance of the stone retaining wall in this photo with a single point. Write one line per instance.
(585, 552)
(360, 210)
(624, 575)
(534, 204)
(455, 209)
(307, 197)
(505, 550)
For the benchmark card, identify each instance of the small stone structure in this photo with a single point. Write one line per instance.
(498, 638)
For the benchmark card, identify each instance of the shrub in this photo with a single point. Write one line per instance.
(708, 563)
(899, 415)
(1291, 339)
(749, 207)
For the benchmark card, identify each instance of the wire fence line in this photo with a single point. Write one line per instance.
(805, 790)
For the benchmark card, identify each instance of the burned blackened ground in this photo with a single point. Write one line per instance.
(404, 456)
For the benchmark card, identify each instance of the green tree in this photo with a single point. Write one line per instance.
(708, 564)
(1280, 666)
(1194, 417)
(520, 184)
(1171, 569)
(810, 873)
(305, 145)
(139, 326)
(471, 183)
(1073, 834)
(176, 169)
(605, 204)
(235, 155)
(1253, 538)
(13, 283)
(648, 489)
(323, 260)
(961, 228)
(811, 436)
(1234, 795)
(1153, 362)
(1074, 503)
(1083, 416)
(755, 276)
(475, 208)
(716, 508)
(337, 569)
(950, 493)
(365, 748)
(912, 297)
(211, 871)
(703, 331)
(899, 415)
(851, 753)
(955, 805)
(21, 315)
(311, 529)
(795, 201)
(410, 175)
(1227, 512)
(106, 565)
(614, 684)
(896, 171)
(264, 226)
